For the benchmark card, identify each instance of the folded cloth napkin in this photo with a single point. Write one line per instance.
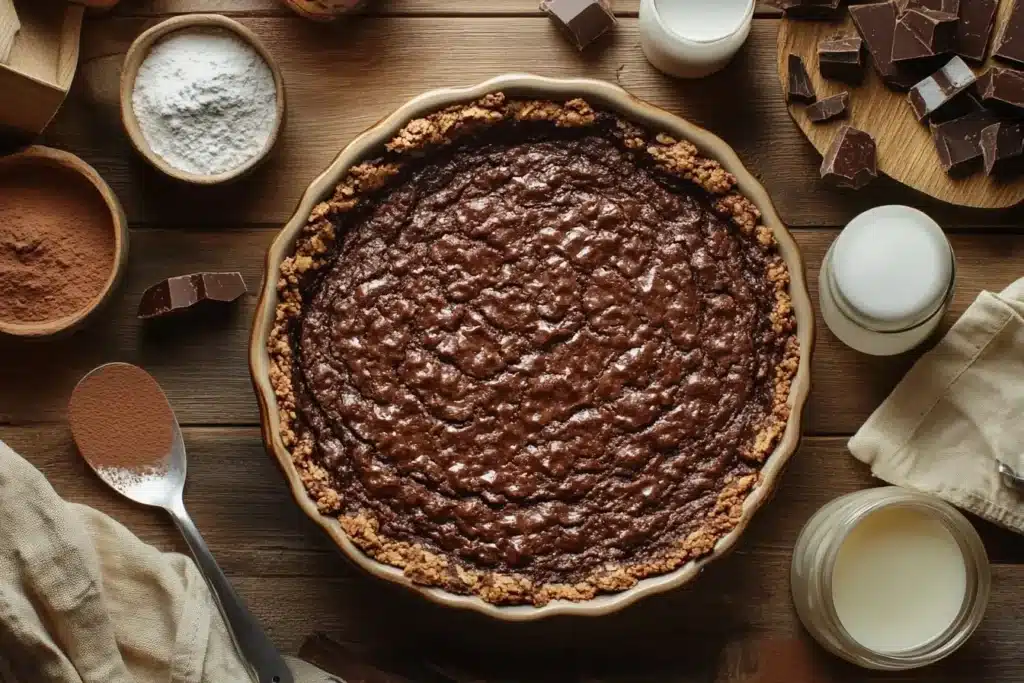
(82, 600)
(957, 413)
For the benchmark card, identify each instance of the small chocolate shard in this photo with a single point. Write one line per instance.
(1011, 43)
(834, 107)
(1002, 89)
(851, 160)
(931, 94)
(958, 142)
(876, 23)
(973, 32)
(799, 83)
(809, 9)
(1002, 148)
(842, 59)
(582, 21)
(178, 294)
(922, 34)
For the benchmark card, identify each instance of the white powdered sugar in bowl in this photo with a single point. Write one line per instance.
(205, 101)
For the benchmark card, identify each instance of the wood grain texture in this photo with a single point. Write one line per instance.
(297, 583)
(343, 78)
(906, 152)
(201, 362)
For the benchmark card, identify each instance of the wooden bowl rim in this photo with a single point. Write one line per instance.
(599, 93)
(137, 53)
(39, 154)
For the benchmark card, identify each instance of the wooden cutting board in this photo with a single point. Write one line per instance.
(905, 149)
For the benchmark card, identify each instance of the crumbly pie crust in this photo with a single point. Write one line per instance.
(313, 251)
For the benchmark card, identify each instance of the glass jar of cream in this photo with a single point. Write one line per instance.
(890, 579)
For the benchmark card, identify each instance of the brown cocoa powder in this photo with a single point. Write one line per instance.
(120, 419)
(56, 243)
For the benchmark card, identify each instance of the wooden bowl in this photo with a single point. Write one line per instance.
(601, 94)
(137, 54)
(47, 156)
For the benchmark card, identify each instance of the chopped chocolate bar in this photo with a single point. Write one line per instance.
(583, 21)
(876, 24)
(851, 161)
(800, 88)
(1011, 44)
(1002, 148)
(1002, 89)
(842, 59)
(928, 96)
(185, 292)
(923, 33)
(951, 6)
(809, 9)
(835, 107)
(958, 142)
(977, 17)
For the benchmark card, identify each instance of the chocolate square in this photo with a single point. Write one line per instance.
(958, 142)
(1011, 43)
(851, 160)
(582, 21)
(876, 24)
(1002, 89)
(1002, 148)
(934, 92)
(977, 18)
(842, 59)
(923, 33)
(834, 107)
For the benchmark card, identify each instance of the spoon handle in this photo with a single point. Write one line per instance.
(257, 649)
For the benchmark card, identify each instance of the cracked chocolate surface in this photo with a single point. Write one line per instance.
(544, 360)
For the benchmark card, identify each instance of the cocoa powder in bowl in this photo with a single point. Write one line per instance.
(57, 242)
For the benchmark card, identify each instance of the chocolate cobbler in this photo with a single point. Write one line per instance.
(533, 351)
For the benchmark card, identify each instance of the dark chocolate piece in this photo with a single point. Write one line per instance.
(851, 161)
(800, 88)
(835, 107)
(977, 17)
(1002, 148)
(809, 9)
(1002, 89)
(951, 6)
(963, 104)
(1011, 43)
(958, 142)
(842, 59)
(923, 33)
(583, 21)
(184, 292)
(931, 94)
(876, 24)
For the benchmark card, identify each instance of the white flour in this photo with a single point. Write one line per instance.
(205, 100)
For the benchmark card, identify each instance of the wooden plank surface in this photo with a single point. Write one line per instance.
(341, 81)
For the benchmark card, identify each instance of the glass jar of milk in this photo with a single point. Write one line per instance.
(887, 280)
(693, 38)
(890, 579)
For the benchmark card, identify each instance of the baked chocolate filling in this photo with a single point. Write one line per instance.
(537, 352)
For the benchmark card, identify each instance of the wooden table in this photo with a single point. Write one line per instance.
(342, 78)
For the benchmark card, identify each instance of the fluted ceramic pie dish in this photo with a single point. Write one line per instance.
(607, 97)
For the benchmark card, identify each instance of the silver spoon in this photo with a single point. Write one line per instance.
(93, 415)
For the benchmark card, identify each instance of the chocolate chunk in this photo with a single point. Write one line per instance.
(940, 88)
(583, 21)
(842, 59)
(958, 142)
(184, 292)
(1002, 89)
(963, 104)
(829, 108)
(876, 24)
(951, 6)
(1011, 44)
(800, 88)
(851, 160)
(1002, 148)
(923, 33)
(977, 17)
(809, 9)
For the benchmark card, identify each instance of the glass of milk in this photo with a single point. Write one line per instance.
(890, 579)
(693, 38)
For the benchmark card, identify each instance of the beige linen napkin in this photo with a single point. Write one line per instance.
(959, 409)
(82, 600)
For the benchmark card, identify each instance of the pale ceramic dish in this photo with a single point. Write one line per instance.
(600, 94)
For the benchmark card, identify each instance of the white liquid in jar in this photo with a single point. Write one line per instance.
(899, 580)
(703, 20)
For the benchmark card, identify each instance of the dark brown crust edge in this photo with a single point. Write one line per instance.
(422, 566)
